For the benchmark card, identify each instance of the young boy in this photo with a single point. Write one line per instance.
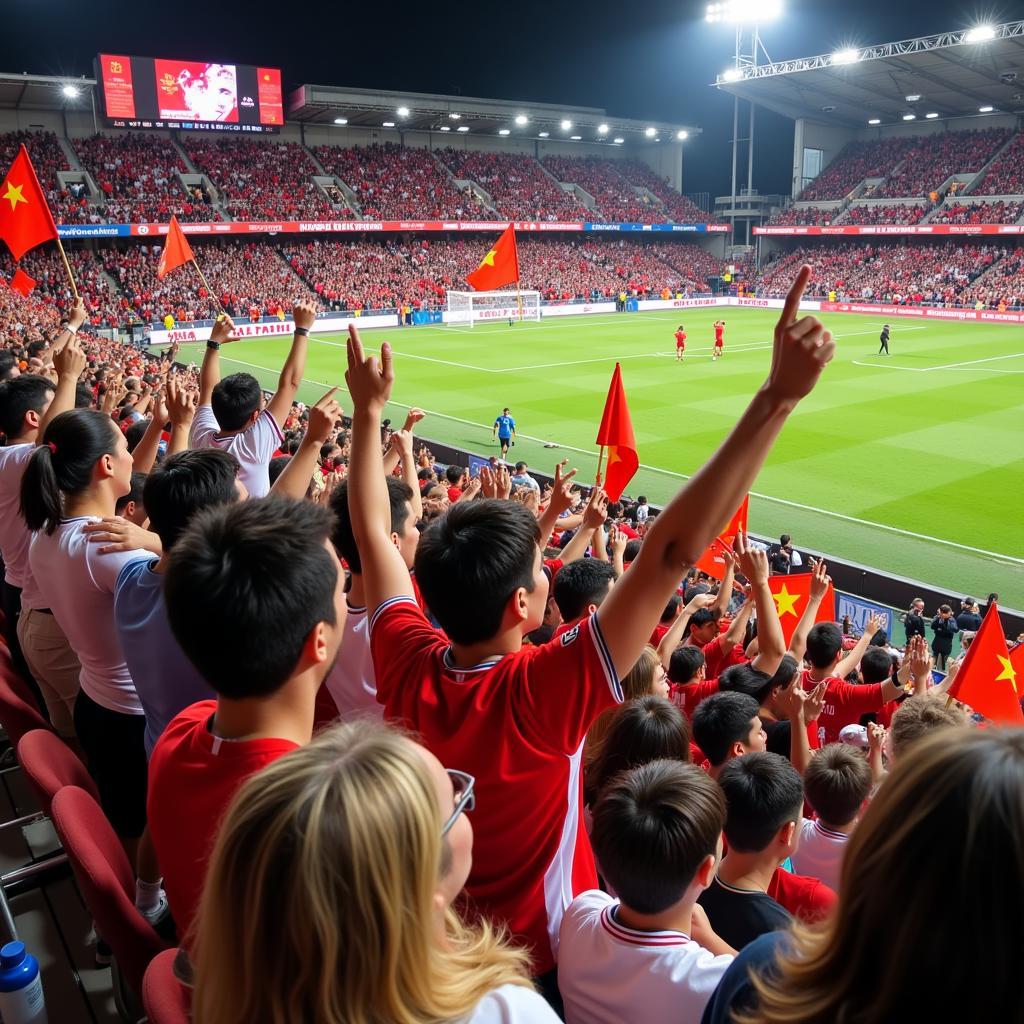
(657, 834)
(232, 414)
(837, 783)
(254, 595)
(680, 344)
(516, 716)
(764, 795)
(727, 725)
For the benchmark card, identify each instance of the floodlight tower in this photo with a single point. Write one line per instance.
(746, 16)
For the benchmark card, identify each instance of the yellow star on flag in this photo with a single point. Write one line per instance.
(1007, 673)
(488, 260)
(13, 194)
(785, 602)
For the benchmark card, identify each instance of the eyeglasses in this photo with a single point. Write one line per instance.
(463, 784)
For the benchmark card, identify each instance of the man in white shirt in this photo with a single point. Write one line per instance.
(651, 954)
(232, 414)
(523, 479)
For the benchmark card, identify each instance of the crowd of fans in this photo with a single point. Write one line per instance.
(393, 182)
(1006, 175)
(884, 213)
(1002, 285)
(604, 763)
(1001, 212)
(616, 198)
(855, 162)
(800, 215)
(260, 181)
(911, 274)
(47, 158)
(935, 158)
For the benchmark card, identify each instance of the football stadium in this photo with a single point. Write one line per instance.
(340, 420)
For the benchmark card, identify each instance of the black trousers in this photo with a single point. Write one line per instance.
(884, 348)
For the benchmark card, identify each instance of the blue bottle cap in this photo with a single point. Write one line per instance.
(12, 954)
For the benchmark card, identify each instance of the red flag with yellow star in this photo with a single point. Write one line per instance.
(988, 679)
(791, 595)
(177, 251)
(616, 435)
(500, 266)
(25, 219)
(712, 562)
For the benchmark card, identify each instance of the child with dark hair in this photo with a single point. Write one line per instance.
(657, 835)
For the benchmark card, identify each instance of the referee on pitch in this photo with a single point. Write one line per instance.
(884, 339)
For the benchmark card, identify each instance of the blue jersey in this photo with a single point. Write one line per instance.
(506, 425)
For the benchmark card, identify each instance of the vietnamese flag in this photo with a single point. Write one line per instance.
(987, 679)
(176, 252)
(21, 282)
(616, 435)
(25, 219)
(791, 594)
(500, 266)
(712, 562)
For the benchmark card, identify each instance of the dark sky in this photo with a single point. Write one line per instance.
(649, 58)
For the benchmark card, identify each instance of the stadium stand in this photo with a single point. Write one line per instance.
(48, 158)
(856, 162)
(1006, 175)
(1001, 212)
(680, 209)
(798, 215)
(616, 198)
(884, 213)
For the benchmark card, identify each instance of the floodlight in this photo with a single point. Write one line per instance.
(732, 75)
(388, 124)
(543, 135)
(913, 97)
(650, 132)
(910, 117)
(341, 120)
(980, 34)
(743, 12)
(576, 138)
(985, 110)
(521, 119)
(463, 128)
(618, 141)
(602, 129)
(566, 125)
(445, 128)
(70, 91)
(850, 55)
(931, 116)
(875, 120)
(503, 131)
(454, 116)
(402, 111)
(680, 135)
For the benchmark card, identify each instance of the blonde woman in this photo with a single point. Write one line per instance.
(329, 898)
(931, 923)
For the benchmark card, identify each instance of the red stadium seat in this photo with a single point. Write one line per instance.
(50, 765)
(165, 999)
(19, 713)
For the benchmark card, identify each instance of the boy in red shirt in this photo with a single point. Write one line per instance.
(680, 343)
(516, 716)
(255, 598)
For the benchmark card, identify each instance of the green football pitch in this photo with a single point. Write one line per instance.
(913, 464)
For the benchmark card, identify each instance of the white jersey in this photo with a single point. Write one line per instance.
(512, 1004)
(351, 682)
(14, 534)
(609, 973)
(253, 448)
(820, 853)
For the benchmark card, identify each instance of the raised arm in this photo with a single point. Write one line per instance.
(672, 638)
(820, 581)
(181, 407)
(209, 374)
(802, 348)
(594, 516)
(852, 660)
(725, 590)
(69, 361)
(559, 502)
(304, 314)
(294, 479)
(403, 441)
(369, 383)
(144, 456)
(69, 329)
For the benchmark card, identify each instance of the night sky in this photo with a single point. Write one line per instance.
(651, 58)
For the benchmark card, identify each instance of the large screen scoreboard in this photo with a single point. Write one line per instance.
(153, 92)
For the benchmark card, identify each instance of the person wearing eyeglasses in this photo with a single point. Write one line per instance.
(330, 895)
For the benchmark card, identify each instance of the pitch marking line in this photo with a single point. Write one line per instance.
(950, 366)
(686, 476)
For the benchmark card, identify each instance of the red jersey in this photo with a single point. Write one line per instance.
(844, 704)
(517, 723)
(193, 777)
(688, 695)
(659, 633)
(719, 334)
(807, 899)
(680, 339)
(717, 660)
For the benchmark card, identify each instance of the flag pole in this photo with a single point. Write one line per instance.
(67, 267)
(519, 300)
(206, 285)
(600, 459)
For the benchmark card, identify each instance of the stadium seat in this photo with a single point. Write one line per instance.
(166, 1000)
(19, 713)
(50, 765)
(107, 884)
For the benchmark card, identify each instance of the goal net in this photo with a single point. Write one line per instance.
(468, 308)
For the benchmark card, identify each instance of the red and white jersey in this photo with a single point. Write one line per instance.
(351, 682)
(517, 723)
(820, 853)
(608, 973)
(844, 704)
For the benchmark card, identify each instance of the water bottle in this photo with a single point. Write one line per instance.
(21, 988)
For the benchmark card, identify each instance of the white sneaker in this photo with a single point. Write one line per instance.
(159, 912)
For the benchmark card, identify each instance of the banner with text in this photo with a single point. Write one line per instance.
(860, 611)
(890, 229)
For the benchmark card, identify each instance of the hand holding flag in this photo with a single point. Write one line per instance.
(176, 252)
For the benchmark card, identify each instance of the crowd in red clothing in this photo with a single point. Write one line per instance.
(616, 198)
(800, 215)
(935, 158)
(1001, 212)
(260, 181)
(516, 183)
(393, 182)
(855, 162)
(680, 209)
(884, 213)
(1006, 175)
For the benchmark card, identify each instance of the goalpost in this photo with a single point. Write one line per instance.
(468, 308)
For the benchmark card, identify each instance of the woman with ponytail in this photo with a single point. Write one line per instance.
(74, 478)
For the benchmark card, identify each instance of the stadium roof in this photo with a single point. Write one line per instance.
(371, 108)
(954, 74)
(41, 92)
